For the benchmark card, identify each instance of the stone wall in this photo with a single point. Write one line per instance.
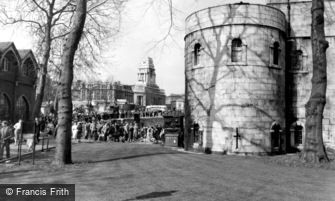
(224, 96)
(300, 16)
(148, 121)
(300, 80)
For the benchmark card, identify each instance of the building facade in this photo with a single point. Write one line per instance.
(175, 102)
(18, 73)
(248, 69)
(146, 91)
(102, 92)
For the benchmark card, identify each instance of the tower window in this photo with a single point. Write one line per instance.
(197, 51)
(296, 131)
(298, 60)
(276, 133)
(276, 51)
(236, 50)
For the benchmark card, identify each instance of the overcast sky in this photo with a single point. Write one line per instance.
(141, 29)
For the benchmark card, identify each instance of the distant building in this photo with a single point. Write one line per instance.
(102, 92)
(146, 91)
(122, 92)
(17, 83)
(175, 102)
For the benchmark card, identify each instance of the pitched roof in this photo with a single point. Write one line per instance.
(23, 53)
(5, 45)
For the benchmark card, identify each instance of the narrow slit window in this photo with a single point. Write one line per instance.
(276, 53)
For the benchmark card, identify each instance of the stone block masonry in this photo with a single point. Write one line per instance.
(227, 97)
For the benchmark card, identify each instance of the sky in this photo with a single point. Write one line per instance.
(142, 26)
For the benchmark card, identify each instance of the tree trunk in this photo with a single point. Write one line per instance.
(314, 149)
(43, 71)
(63, 144)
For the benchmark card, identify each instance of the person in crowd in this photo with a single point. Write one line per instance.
(5, 134)
(149, 134)
(103, 131)
(121, 132)
(18, 131)
(135, 131)
(100, 124)
(79, 131)
(131, 133)
(155, 133)
(106, 130)
(110, 132)
(50, 127)
(162, 136)
(126, 131)
(143, 132)
(42, 123)
(74, 130)
(94, 129)
(87, 130)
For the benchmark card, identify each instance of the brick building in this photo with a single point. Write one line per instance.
(248, 69)
(17, 83)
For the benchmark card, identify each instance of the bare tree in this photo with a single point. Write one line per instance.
(49, 22)
(314, 149)
(63, 147)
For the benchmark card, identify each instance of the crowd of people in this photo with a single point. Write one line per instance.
(119, 114)
(115, 131)
(92, 128)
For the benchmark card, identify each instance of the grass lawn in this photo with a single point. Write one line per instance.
(125, 172)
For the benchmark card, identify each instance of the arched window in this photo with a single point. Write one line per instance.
(4, 107)
(9, 62)
(197, 53)
(236, 50)
(28, 68)
(299, 56)
(298, 60)
(21, 109)
(296, 134)
(276, 52)
(275, 136)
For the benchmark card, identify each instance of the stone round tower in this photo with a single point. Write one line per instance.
(235, 78)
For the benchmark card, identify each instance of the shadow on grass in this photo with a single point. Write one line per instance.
(13, 172)
(128, 157)
(153, 195)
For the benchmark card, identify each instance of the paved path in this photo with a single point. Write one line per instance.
(127, 172)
